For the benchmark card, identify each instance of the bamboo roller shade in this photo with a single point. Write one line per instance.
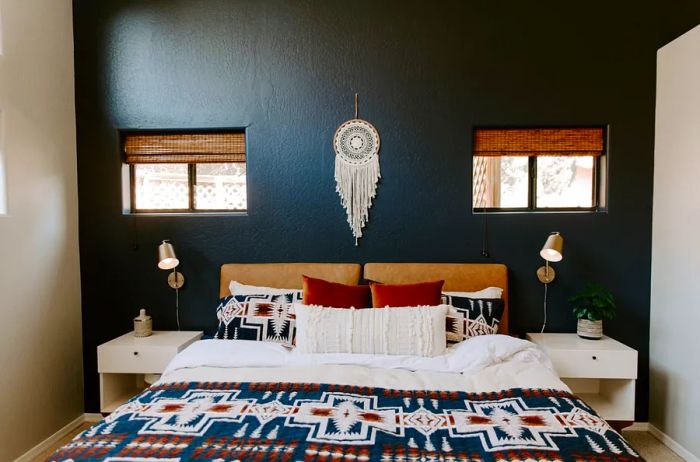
(538, 142)
(147, 148)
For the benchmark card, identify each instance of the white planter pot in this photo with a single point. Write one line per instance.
(590, 329)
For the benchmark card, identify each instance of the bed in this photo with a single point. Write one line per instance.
(489, 398)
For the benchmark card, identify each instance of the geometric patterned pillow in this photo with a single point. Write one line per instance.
(262, 318)
(472, 317)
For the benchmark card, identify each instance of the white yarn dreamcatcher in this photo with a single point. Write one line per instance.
(356, 145)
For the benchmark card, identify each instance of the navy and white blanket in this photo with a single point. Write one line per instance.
(226, 422)
(234, 400)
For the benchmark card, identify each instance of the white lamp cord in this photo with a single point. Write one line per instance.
(546, 274)
(177, 302)
(544, 322)
(177, 307)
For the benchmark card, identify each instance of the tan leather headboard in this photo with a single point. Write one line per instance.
(458, 277)
(285, 275)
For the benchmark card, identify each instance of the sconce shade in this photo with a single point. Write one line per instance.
(553, 248)
(166, 256)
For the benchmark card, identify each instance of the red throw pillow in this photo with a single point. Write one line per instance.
(326, 293)
(419, 294)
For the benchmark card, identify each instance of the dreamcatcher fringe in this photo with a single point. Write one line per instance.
(357, 186)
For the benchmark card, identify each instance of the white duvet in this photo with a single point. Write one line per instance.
(480, 364)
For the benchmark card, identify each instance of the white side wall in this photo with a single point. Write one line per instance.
(40, 335)
(675, 286)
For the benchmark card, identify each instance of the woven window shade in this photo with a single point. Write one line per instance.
(538, 142)
(147, 148)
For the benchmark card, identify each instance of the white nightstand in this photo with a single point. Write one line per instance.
(122, 363)
(601, 372)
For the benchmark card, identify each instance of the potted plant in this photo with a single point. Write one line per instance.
(591, 305)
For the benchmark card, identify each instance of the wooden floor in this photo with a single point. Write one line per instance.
(66, 439)
(648, 446)
(651, 448)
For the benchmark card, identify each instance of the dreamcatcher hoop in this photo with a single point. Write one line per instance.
(356, 142)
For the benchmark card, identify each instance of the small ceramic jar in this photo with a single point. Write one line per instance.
(143, 325)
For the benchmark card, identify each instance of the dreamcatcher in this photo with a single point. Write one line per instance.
(356, 145)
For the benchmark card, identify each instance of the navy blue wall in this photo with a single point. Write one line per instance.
(427, 72)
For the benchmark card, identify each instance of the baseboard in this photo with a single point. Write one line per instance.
(89, 417)
(51, 440)
(637, 427)
(673, 445)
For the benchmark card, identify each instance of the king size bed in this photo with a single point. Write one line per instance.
(485, 398)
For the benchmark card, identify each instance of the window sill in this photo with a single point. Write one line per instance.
(538, 212)
(185, 214)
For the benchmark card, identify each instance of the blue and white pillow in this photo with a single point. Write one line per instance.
(472, 317)
(261, 318)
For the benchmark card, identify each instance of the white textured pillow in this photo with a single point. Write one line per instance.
(489, 292)
(393, 331)
(237, 288)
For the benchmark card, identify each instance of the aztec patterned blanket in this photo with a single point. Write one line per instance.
(226, 422)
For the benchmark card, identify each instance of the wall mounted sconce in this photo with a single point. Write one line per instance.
(552, 251)
(167, 260)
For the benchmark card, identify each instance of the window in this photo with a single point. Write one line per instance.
(193, 172)
(538, 169)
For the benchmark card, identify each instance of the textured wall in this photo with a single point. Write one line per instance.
(675, 373)
(426, 75)
(41, 374)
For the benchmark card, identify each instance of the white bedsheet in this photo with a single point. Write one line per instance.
(481, 364)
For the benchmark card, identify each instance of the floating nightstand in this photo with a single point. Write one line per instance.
(124, 361)
(601, 372)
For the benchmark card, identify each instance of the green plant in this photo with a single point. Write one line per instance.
(594, 303)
